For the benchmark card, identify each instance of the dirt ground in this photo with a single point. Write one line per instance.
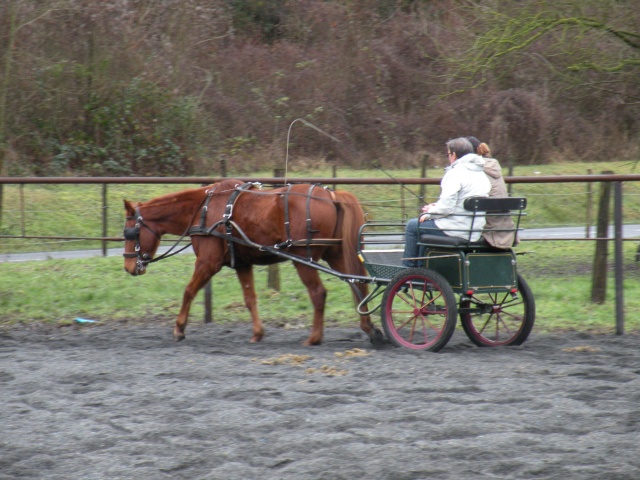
(126, 402)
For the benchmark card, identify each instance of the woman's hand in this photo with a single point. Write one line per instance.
(426, 208)
(425, 212)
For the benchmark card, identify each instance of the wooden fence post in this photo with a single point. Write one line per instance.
(403, 208)
(423, 188)
(223, 167)
(510, 186)
(23, 229)
(589, 205)
(619, 260)
(599, 282)
(105, 219)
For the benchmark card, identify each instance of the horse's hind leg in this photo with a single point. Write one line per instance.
(245, 276)
(318, 295)
(359, 291)
(367, 326)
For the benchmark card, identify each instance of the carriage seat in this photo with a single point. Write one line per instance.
(441, 241)
(480, 207)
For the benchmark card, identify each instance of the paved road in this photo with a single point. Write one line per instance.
(629, 231)
(71, 254)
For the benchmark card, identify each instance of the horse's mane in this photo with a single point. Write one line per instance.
(191, 194)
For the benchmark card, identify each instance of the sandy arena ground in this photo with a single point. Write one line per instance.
(126, 402)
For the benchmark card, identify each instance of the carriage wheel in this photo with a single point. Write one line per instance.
(419, 310)
(500, 318)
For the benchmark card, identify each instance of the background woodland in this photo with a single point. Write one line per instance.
(173, 87)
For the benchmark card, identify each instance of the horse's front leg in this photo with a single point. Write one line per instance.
(245, 276)
(199, 279)
(318, 295)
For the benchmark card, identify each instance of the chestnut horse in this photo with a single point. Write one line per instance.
(237, 225)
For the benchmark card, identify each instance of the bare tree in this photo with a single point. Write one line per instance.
(594, 44)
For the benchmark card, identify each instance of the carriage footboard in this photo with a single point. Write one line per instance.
(381, 249)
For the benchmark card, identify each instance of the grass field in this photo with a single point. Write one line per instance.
(58, 291)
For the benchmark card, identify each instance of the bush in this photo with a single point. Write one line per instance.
(138, 131)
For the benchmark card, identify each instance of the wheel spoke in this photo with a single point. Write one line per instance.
(422, 315)
(409, 300)
(413, 329)
(486, 323)
(501, 321)
(426, 322)
(412, 318)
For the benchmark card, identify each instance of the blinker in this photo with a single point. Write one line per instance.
(130, 233)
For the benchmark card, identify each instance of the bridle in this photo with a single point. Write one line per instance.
(133, 233)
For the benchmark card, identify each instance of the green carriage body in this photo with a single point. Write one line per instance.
(475, 270)
(466, 265)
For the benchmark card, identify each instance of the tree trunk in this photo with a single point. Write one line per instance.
(4, 94)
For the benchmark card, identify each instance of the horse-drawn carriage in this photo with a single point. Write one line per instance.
(419, 308)
(240, 225)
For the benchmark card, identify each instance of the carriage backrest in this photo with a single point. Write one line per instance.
(494, 210)
(495, 204)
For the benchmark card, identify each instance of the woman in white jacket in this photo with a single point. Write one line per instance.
(463, 178)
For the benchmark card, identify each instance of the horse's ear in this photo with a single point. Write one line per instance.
(128, 207)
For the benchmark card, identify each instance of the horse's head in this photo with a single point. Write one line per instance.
(140, 240)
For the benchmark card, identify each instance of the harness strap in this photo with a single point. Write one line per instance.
(309, 242)
(287, 223)
(226, 218)
(205, 208)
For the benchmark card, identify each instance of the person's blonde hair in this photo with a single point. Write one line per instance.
(484, 150)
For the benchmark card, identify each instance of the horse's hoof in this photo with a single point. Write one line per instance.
(255, 339)
(309, 342)
(178, 337)
(377, 338)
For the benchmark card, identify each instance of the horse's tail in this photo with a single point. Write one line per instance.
(350, 219)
